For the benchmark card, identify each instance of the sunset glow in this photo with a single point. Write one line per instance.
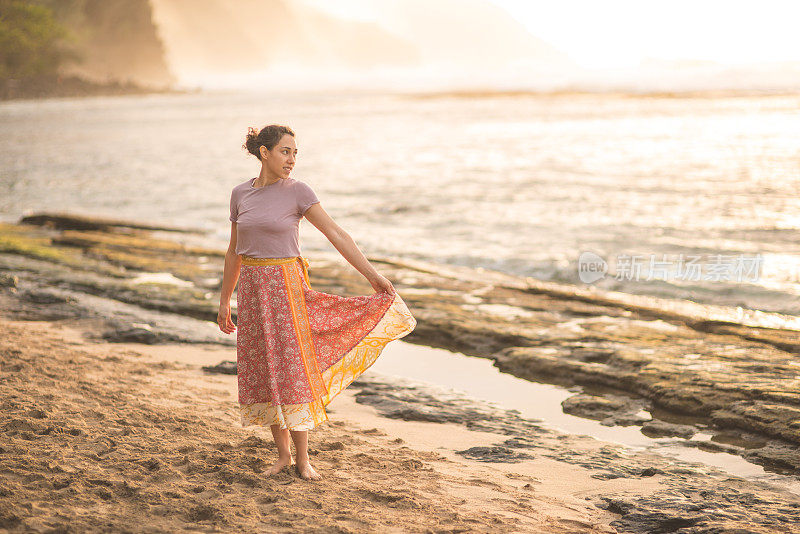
(569, 225)
(623, 33)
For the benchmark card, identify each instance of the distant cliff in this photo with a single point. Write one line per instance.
(75, 47)
(153, 43)
(206, 38)
(116, 39)
(294, 43)
(59, 47)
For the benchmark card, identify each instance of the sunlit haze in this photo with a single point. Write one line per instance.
(491, 44)
(623, 33)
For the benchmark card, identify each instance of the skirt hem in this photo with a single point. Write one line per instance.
(395, 322)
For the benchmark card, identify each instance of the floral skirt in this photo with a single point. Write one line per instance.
(297, 348)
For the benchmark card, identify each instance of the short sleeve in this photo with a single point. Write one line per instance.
(305, 197)
(234, 207)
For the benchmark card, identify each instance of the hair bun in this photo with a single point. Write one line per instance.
(269, 136)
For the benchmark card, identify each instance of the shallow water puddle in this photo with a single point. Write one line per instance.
(479, 378)
(160, 278)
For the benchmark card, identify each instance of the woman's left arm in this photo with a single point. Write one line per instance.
(347, 247)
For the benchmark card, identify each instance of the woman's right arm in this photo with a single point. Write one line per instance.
(230, 276)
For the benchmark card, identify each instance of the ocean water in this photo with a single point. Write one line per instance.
(520, 184)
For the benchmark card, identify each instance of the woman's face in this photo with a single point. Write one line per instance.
(281, 159)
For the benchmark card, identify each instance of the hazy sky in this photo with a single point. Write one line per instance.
(622, 33)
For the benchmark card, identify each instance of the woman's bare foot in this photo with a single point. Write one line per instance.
(307, 472)
(280, 464)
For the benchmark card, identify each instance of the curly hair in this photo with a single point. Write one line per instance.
(269, 136)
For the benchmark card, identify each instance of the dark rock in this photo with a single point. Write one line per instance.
(65, 221)
(649, 472)
(777, 456)
(592, 355)
(656, 523)
(225, 367)
(398, 409)
(138, 335)
(608, 409)
(427, 403)
(496, 454)
(523, 442)
(762, 417)
(657, 429)
(45, 297)
(713, 446)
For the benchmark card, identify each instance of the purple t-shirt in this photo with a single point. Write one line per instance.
(268, 218)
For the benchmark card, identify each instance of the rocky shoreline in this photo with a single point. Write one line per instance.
(63, 86)
(691, 498)
(691, 372)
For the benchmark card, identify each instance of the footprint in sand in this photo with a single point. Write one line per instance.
(412, 464)
(394, 500)
(365, 460)
(230, 476)
(204, 512)
(254, 441)
(308, 504)
(372, 432)
(209, 494)
(37, 414)
(104, 494)
(100, 482)
(151, 464)
(331, 446)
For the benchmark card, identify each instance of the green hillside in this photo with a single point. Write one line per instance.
(52, 47)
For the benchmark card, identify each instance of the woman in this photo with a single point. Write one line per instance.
(296, 348)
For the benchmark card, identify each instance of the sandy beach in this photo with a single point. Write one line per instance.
(121, 437)
(118, 417)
